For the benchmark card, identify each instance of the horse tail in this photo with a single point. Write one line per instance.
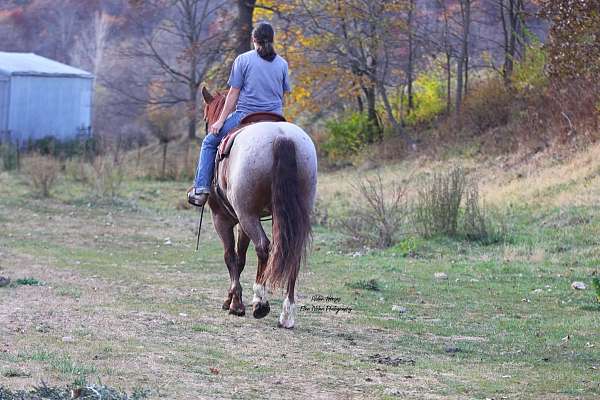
(291, 220)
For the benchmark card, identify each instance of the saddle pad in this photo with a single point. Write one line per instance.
(253, 118)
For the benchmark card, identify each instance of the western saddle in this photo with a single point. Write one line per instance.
(253, 118)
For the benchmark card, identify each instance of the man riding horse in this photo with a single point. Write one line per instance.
(258, 82)
(269, 169)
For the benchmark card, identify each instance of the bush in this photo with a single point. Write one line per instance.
(9, 154)
(347, 136)
(440, 210)
(377, 218)
(487, 106)
(477, 224)
(429, 98)
(474, 219)
(437, 206)
(42, 172)
(83, 145)
(78, 170)
(106, 176)
(529, 72)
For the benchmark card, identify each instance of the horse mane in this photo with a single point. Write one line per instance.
(213, 109)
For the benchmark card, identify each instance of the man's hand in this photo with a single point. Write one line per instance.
(216, 127)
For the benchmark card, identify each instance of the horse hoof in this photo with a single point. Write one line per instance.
(261, 310)
(226, 304)
(240, 312)
(280, 325)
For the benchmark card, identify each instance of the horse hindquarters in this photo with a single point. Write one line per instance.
(291, 224)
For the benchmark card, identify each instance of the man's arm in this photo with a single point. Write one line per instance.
(230, 102)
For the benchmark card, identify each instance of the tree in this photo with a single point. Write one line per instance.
(90, 45)
(574, 45)
(162, 124)
(244, 24)
(511, 15)
(341, 50)
(180, 40)
(462, 63)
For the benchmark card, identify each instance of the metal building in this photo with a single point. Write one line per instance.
(40, 97)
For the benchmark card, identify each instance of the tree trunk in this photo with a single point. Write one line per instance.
(465, 6)
(411, 57)
(466, 88)
(244, 25)
(193, 112)
(512, 26)
(448, 83)
(371, 112)
(164, 160)
(361, 107)
(390, 114)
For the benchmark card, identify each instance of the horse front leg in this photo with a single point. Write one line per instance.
(233, 302)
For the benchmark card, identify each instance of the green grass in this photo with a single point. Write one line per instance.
(144, 314)
(29, 282)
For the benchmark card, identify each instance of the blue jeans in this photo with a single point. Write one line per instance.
(208, 152)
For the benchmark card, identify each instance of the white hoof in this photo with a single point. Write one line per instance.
(260, 294)
(288, 315)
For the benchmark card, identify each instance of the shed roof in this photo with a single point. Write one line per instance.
(31, 64)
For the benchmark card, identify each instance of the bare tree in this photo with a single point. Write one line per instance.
(162, 123)
(179, 49)
(411, 53)
(511, 14)
(463, 58)
(90, 45)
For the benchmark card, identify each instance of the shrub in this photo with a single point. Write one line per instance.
(377, 218)
(474, 219)
(106, 176)
(529, 72)
(78, 170)
(596, 286)
(429, 98)
(438, 203)
(346, 136)
(371, 284)
(477, 223)
(487, 106)
(9, 154)
(82, 145)
(42, 172)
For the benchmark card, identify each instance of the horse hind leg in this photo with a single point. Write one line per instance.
(287, 319)
(254, 230)
(233, 302)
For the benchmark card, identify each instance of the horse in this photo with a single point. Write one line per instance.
(271, 170)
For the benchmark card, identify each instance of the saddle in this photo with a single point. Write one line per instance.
(253, 118)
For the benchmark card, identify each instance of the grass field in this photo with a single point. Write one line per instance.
(117, 294)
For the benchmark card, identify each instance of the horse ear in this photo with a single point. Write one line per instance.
(206, 95)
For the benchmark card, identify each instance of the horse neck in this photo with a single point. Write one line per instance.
(215, 108)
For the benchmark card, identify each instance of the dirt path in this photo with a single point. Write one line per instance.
(120, 305)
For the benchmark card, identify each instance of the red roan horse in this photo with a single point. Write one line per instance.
(271, 170)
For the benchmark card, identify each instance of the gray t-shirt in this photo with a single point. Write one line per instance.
(261, 82)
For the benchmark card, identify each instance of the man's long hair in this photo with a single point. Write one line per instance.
(263, 34)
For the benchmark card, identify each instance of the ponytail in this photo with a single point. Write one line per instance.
(266, 51)
(263, 36)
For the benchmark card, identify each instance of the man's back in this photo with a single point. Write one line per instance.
(262, 83)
